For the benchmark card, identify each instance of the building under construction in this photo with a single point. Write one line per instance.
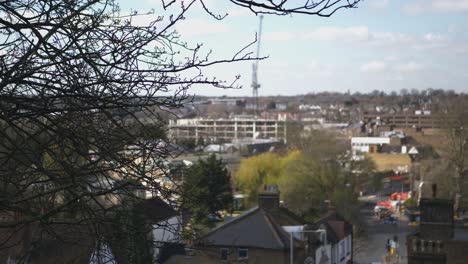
(227, 130)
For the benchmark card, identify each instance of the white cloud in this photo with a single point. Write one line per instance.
(452, 28)
(358, 33)
(319, 69)
(348, 34)
(433, 37)
(391, 58)
(409, 67)
(361, 37)
(189, 27)
(201, 27)
(390, 38)
(415, 8)
(280, 36)
(379, 3)
(450, 5)
(373, 66)
(240, 12)
(436, 6)
(313, 68)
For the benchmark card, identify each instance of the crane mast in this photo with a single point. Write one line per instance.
(255, 84)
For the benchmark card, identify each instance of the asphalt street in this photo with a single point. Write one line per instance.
(371, 247)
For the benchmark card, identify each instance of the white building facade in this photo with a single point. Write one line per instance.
(360, 145)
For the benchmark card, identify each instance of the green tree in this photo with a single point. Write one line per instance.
(207, 189)
(266, 168)
(361, 173)
(309, 183)
(454, 117)
(311, 186)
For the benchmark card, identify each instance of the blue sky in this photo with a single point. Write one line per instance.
(383, 44)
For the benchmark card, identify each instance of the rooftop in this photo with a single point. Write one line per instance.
(254, 228)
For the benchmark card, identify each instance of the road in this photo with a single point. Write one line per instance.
(371, 248)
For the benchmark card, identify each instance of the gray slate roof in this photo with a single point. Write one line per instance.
(255, 228)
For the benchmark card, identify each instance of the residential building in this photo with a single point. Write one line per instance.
(361, 145)
(282, 106)
(166, 226)
(340, 236)
(368, 144)
(255, 236)
(387, 153)
(270, 233)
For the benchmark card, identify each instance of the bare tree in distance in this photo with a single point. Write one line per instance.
(82, 88)
(454, 117)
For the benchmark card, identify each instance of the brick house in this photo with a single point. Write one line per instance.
(270, 233)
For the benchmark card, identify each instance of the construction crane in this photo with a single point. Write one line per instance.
(255, 84)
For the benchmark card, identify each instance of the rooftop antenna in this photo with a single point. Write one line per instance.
(255, 84)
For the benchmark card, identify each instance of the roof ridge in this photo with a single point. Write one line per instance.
(272, 224)
(279, 231)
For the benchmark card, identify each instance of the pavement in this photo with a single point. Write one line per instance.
(371, 247)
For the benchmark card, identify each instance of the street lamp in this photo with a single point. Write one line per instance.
(303, 231)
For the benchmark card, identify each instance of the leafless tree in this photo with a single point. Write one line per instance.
(82, 89)
(454, 116)
(323, 8)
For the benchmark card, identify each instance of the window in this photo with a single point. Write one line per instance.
(243, 253)
(224, 254)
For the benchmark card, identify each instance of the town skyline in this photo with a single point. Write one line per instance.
(382, 44)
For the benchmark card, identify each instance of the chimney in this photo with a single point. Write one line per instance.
(268, 199)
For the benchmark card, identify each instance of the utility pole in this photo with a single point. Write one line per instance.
(255, 84)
